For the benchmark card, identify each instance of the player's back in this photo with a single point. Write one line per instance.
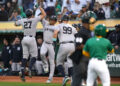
(66, 32)
(98, 47)
(29, 25)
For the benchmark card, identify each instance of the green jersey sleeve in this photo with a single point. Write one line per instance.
(86, 47)
(110, 47)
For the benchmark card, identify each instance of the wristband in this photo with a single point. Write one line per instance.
(54, 39)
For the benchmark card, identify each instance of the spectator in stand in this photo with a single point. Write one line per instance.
(16, 56)
(65, 11)
(113, 12)
(22, 14)
(115, 9)
(39, 64)
(114, 37)
(115, 4)
(58, 8)
(106, 8)
(66, 4)
(84, 9)
(19, 2)
(15, 16)
(99, 11)
(50, 10)
(76, 6)
(91, 4)
(3, 14)
(13, 7)
(86, 2)
(8, 7)
(6, 53)
(28, 4)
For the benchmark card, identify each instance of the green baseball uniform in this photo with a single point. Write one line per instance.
(97, 48)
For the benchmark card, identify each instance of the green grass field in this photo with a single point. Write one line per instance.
(32, 84)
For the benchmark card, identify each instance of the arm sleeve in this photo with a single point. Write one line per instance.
(74, 30)
(38, 18)
(86, 47)
(44, 22)
(110, 47)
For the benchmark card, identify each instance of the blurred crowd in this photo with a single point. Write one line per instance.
(12, 10)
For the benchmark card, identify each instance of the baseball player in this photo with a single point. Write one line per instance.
(97, 48)
(39, 64)
(47, 46)
(66, 37)
(29, 43)
(16, 56)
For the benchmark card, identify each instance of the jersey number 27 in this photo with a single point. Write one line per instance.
(67, 30)
(27, 24)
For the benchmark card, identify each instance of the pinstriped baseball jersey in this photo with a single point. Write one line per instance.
(48, 31)
(29, 25)
(66, 32)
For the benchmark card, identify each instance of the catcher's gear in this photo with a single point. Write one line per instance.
(65, 18)
(100, 30)
(29, 13)
(53, 17)
(117, 26)
(75, 25)
(88, 17)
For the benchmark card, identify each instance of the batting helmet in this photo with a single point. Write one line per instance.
(29, 13)
(65, 18)
(88, 17)
(100, 30)
(53, 17)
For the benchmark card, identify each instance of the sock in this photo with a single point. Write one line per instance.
(61, 70)
(70, 71)
(32, 62)
(24, 63)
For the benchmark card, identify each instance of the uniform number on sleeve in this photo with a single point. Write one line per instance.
(67, 30)
(27, 25)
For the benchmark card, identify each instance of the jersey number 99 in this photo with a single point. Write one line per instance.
(67, 30)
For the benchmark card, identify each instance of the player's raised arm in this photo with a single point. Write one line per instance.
(43, 14)
(17, 23)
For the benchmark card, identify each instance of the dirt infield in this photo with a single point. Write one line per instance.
(43, 79)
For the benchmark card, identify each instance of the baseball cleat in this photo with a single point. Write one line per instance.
(22, 77)
(46, 69)
(49, 81)
(65, 80)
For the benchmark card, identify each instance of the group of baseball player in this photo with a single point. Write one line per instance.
(96, 47)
